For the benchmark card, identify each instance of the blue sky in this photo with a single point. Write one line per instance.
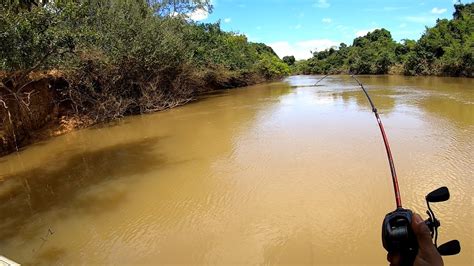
(296, 27)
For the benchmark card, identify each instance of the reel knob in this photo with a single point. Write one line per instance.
(450, 248)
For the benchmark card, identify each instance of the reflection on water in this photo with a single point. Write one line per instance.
(58, 182)
(281, 173)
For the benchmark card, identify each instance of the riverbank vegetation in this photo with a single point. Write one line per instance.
(94, 61)
(447, 49)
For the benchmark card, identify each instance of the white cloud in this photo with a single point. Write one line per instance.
(326, 20)
(251, 38)
(438, 10)
(361, 33)
(227, 20)
(302, 50)
(322, 4)
(297, 27)
(198, 14)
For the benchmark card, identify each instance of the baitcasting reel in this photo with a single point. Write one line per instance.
(398, 236)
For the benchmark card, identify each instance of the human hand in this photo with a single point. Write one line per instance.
(427, 255)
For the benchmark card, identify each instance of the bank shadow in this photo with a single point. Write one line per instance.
(212, 94)
(58, 183)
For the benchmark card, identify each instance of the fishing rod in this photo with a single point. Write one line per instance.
(397, 234)
(396, 188)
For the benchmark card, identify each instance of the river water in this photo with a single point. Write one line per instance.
(276, 173)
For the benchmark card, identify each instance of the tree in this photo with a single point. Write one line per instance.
(289, 60)
(446, 48)
(373, 53)
(179, 7)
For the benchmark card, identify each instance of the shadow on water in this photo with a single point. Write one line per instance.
(113, 123)
(58, 184)
(51, 255)
(211, 94)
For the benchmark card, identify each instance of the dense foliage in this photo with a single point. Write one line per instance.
(289, 60)
(446, 49)
(105, 59)
(128, 56)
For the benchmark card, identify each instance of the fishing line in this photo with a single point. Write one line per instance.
(44, 239)
(320, 80)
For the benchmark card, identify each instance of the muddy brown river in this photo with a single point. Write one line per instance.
(280, 173)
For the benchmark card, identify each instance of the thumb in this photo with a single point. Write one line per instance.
(422, 232)
(427, 253)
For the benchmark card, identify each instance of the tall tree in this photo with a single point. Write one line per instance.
(179, 7)
(289, 60)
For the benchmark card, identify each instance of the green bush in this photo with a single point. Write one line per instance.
(129, 56)
(446, 49)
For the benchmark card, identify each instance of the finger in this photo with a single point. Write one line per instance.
(422, 232)
(427, 251)
(393, 258)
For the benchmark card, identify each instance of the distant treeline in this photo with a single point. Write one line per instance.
(446, 49)
(117, 57)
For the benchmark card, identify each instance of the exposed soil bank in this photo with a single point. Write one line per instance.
(44, 105)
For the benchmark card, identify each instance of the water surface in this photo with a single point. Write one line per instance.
(277, 173)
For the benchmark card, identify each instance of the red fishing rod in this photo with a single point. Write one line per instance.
(398, 198)
(397, 234)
